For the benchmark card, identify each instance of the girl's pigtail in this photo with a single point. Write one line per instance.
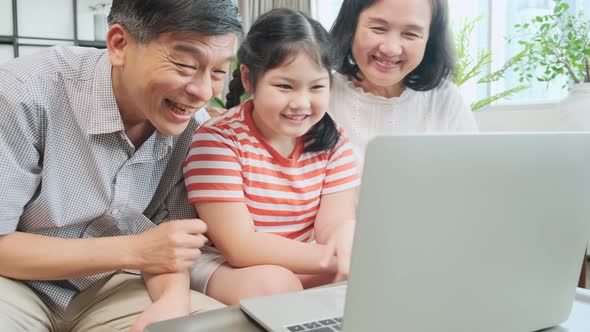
(322, 136)
(236, 90)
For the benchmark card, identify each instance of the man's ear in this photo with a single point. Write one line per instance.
(118, 40)
(245, 76)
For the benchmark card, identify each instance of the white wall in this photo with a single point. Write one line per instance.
(541, 117)
(530, 117)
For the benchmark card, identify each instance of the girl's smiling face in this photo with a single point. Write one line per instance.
(290, 99)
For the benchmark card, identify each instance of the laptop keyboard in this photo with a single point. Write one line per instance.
(324, 325)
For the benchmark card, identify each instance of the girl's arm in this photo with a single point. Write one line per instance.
(169, 285)
(170, 296)
(213, 173)
(335, 210)
(334, 226)
(231, 229)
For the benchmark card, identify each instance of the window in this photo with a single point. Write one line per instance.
(325, 11)
(6, 46)
(45, 19)
(29, 25)
(499, 18)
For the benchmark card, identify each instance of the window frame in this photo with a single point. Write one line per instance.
(17, 40)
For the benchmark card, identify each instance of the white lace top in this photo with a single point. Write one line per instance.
(364, 115)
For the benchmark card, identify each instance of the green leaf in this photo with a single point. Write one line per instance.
(486, 101)
(555, 44)
(217, 102)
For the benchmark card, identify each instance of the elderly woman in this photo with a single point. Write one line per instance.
(394, 60)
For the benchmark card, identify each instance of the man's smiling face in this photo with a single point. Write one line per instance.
(165, 81)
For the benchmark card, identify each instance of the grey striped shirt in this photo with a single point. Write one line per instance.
(66, 167)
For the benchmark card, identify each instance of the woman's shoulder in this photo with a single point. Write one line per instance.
(447, 102)
(446, 88)
(340, 82)
(447, 93)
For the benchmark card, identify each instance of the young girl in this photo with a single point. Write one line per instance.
(394, 60)
(273, 178)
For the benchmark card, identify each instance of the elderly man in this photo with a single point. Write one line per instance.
(91, 150)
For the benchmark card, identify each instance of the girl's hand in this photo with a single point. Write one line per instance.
(163, 309)
(340, 245)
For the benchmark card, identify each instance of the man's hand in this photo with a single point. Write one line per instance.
(172, 246)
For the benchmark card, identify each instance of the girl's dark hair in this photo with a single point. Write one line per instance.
(439, 56)
(274, 38)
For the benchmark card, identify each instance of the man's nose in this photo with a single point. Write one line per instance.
(200, 87)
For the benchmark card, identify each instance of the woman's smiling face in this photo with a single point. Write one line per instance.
(389, 43)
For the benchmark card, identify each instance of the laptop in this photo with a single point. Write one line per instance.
(456, 232)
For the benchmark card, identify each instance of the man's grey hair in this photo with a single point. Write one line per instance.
(146, 19)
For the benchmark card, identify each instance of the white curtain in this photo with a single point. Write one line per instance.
(251, 9)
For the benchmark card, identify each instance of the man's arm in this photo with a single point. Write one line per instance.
(170, 247)
(35, 257)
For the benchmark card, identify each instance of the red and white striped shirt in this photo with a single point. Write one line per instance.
(229, 161)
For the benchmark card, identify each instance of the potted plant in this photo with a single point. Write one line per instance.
(469, 67)
(558, 45)
(100, 19)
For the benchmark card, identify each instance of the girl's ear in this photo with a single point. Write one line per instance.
(245, 76)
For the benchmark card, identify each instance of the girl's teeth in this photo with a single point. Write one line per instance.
(295, 117)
